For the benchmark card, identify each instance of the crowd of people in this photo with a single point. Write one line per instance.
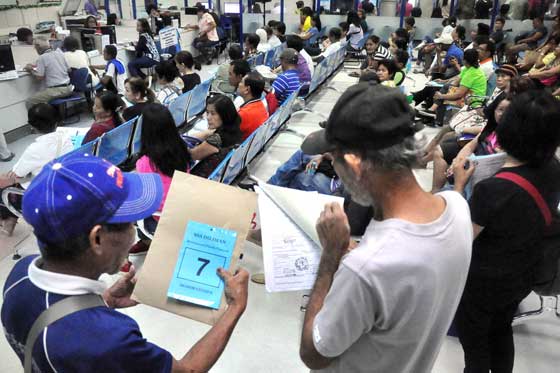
(470, 253)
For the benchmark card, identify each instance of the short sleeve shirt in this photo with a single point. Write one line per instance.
(474, 79)
(356, 34)
(381, 53)
(53, 66)
(453, 51)
(253, 113)
(98, 339)
(394, 296)
(285, 84)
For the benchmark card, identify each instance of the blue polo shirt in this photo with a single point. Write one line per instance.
(99, 339)
(285, 84)
(453, 51)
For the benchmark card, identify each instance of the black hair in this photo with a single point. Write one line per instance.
(187, 59)
(299, 4)
(528, 130)
(111, 50)
(490, 45)
(436, 13)
(410, 21)
(252, 39)
(317, 19)
(401, 56)
(166, 70)
(401, 43)
(504, 9)
(110, 101)
(369, 76)
(86, 22)
(500, 19)
(240, 67)
(70, 44)
(151, 7)
(368, 8)
(471, 57)
(167, 20)
(353, 18)
(23, 33)
(268, 30)
(235, 52)
(294, 42)
(452, 21)
(401, 33)
(483, 29)
(343, 26)
(444, 2)
(145, 26)
(255, 82)
(335, 33)
(390, 65)
(280, 27)
(461, 31)
(375, 39)
(139, 86)
(161, 142)
(75, 247)
(42, 117)
(538, 18)
(307, 11)
(111, 19)
(230, 132)
(272, 23)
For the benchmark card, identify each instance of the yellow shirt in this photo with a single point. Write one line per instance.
(306, 24)
(547, 59)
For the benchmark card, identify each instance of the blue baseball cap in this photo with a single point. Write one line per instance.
(75, 192)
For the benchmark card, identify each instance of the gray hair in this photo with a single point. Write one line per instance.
(402, 156)
(41, 44)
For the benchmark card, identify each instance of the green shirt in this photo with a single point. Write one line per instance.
(474, 79)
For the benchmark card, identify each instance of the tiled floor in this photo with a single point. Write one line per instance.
(267, 337)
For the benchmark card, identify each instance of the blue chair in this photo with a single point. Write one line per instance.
(361, 44)
(198, 102)
(89, 148)
(257, 145)
(136, 144)
(269, 57)
(114, 145)
(236, 162)
(259, 59)
(179, 107)
(81, 81)
(218, 173)
(274, 123)
(316, 78)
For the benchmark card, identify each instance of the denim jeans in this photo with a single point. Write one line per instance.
(136, 64)
(292, 175)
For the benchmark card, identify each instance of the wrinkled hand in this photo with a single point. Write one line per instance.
(460, 174)
(334, 231)
(118, 295)
(236, 288)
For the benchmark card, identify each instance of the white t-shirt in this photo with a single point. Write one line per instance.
(394, 296)
(274, 41)
(331, 49)
(355, 34)
(309, 61)
(44, 149)
(77, 59)
(118, 79)
(487, 68)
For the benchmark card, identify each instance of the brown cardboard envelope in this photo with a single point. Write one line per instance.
(198, 199)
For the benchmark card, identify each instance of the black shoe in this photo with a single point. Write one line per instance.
(8, 158)
(426, 113)
(247, 185)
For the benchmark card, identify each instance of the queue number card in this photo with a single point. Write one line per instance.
(205, 249)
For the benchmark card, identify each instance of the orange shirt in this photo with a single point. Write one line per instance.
(253, 114)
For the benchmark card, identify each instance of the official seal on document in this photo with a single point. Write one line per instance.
(302, 264)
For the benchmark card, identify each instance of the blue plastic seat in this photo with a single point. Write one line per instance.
(114, 145)
(197, 103)
(83, 88)
(179, 107)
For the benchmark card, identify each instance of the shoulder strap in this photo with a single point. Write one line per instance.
(54, 313)
(531, 190)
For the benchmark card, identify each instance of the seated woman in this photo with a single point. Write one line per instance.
(509, 220)
(485, 143)
(185, 63)
(401, 59)
(167, 72)
(105, 110)
(138, 94)
(386, 70)
(162, 151)
(541, 56)
(548, 74)
(355, 32)
(147, 54)
(223, 133)
(251, 44)
(314, 30)
(46, 147)
(472, 81)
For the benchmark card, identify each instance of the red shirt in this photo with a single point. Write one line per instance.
(253, 114)
(97, 129)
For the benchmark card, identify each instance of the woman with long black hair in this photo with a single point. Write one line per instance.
(106, 111)
(147, 54)
(355, 32)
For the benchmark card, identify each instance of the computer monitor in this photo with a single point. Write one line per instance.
(231, 8)
(204, 4)
(6, 58)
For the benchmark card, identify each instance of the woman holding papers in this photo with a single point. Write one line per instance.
(162, 151)
(509, 213)
(222, 134)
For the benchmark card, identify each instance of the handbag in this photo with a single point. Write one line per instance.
(54, 313)
(466, 118)
(547, 271)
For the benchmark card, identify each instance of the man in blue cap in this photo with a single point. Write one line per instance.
(82, 210)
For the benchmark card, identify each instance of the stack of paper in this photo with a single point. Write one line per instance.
(291, 247)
